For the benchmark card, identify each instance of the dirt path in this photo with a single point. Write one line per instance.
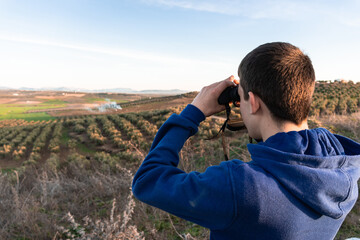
(45, 152)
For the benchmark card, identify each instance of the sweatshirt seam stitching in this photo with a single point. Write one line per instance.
(349, 190)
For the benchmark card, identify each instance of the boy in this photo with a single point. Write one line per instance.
(300, 184)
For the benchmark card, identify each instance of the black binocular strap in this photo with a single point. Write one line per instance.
(222, 131)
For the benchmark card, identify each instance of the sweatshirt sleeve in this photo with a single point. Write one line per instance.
(203, 198)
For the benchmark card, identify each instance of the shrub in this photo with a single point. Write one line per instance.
(78, 161)
(53, 162)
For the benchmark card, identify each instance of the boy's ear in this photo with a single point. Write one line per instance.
(254, 103)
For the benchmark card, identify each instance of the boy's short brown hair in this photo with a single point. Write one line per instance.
(282, 76)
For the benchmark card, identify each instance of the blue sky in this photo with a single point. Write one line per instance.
(166, 44)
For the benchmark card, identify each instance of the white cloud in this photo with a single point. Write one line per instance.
(345, 12)
(132, 54)
(36, 62)
(207, 6)
(252, 9)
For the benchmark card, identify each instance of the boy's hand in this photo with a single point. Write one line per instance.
(206, 100)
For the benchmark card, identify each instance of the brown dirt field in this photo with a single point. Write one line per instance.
(157, 105)
(67, 95)
(71, 111)
(7, 100)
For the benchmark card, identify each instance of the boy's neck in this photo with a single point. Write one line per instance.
(274, 128)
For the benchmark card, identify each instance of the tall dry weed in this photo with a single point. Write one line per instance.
(114, 228)
(33, 206)
(348, 125)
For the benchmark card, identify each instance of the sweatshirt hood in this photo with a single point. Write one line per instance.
(317, 167)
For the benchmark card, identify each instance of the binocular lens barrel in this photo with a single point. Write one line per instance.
(230, 94)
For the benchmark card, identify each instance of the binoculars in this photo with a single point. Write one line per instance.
(230, 94)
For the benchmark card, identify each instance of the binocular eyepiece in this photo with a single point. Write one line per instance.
(230, 94)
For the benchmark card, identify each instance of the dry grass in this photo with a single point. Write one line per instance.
(347, 125)
(91, 199)
(34, 204)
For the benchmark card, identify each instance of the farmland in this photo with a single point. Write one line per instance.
(67, 173)
(47, 105)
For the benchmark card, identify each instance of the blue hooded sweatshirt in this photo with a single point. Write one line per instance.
(299, 185)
